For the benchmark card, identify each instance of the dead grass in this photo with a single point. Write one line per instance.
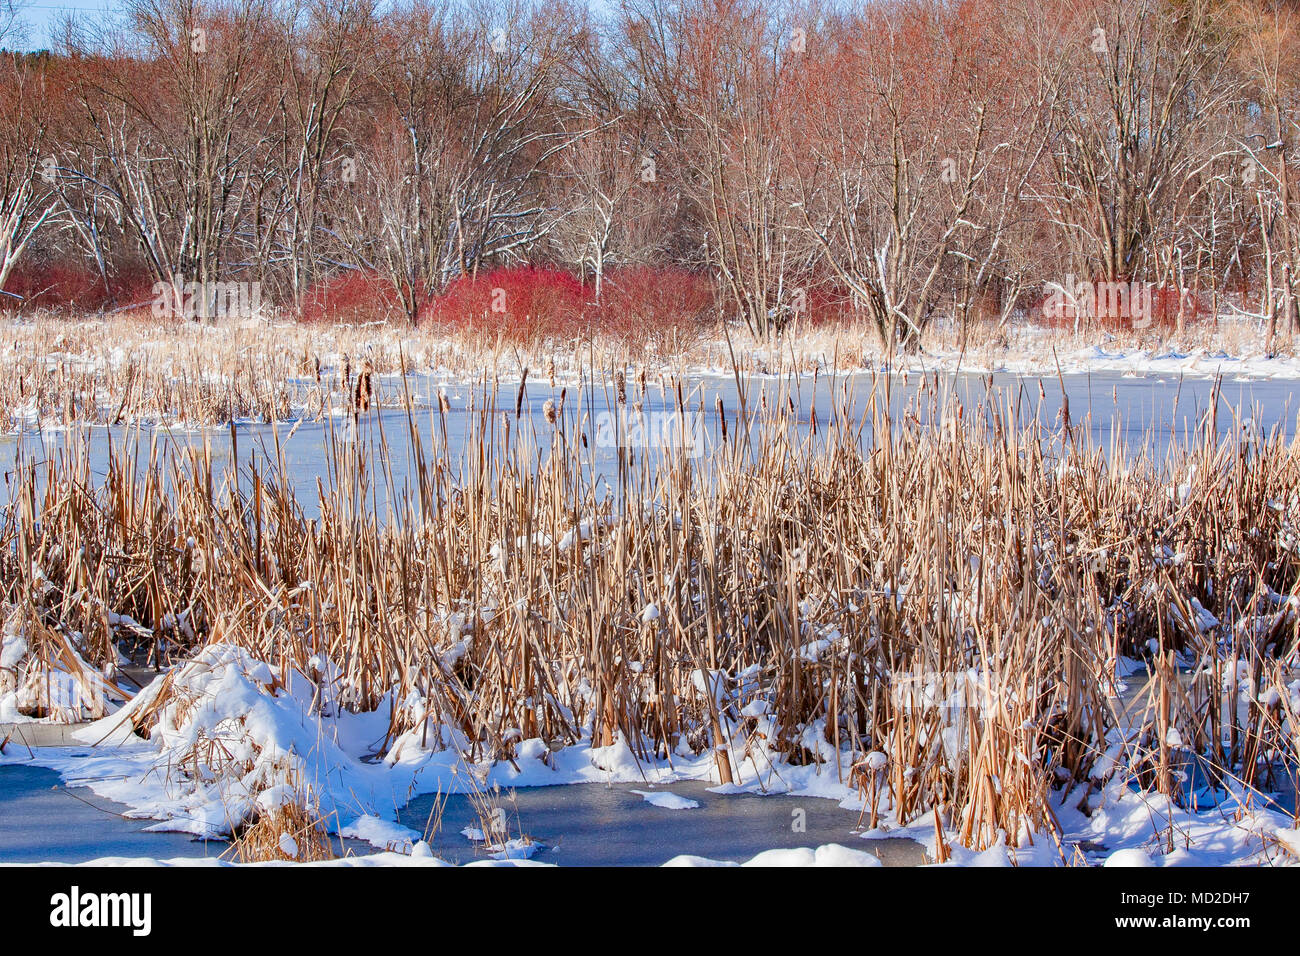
(57, 372)
(290, 833)
(819, 597)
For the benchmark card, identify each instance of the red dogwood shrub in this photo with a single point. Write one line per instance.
(54, 285)
(522, 303)
(353, 296)
(72, 287)
(527, 303)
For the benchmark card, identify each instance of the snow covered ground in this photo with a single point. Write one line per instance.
(264, 722)
(243, 736)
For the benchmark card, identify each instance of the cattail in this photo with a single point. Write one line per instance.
(519, 396)
(362, 394)
(620, 387)
(802, 535)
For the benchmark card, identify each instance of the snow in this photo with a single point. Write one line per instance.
(1131, 857)
(235, 738)
(13, 650)
(1037, 351)
(60, 686)
(517, 849)
(1116, 824)
(384, 834)
(829, 855)
(668, 801)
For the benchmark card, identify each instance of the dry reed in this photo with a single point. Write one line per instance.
(931, 606)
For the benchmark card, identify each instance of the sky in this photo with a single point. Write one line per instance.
(41, 18)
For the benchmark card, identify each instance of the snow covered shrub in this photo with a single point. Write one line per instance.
(286, 828)
(419, 727)
(237, 747)
(44, 676)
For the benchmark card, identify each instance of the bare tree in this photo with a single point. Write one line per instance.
(178, 125)
(718, 74)
(897, 157)
(1138, 89)
(28, 173)
(326, 69)
(468, 126)
(1270, 55)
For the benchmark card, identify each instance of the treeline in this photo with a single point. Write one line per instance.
(907, 159)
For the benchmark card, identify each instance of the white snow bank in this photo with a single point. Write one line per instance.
(668, 801)
(832, 854)
(43, 675)
(230, 737)
(381, 833)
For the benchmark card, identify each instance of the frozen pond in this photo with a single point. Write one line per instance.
(578, 825)
(1126, 415)
(43, 821)
(593, 824)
